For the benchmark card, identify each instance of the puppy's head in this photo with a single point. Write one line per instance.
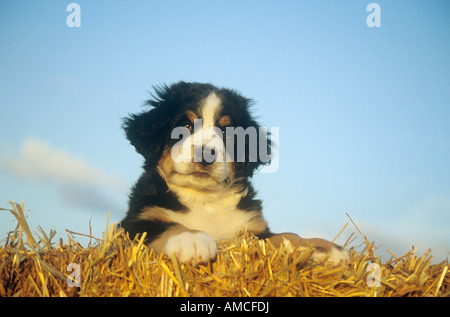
(199, 136)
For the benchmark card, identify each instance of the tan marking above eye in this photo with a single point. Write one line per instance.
(192, 116)
(225, 121)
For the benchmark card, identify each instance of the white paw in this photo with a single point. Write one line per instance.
(192, 247)
(335, 256)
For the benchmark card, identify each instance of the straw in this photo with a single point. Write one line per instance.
(34, 265)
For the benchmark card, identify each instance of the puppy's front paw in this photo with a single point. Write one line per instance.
(328, 252)
(193, 247)
(323, 251)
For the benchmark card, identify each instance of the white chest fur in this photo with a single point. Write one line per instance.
(215, 213)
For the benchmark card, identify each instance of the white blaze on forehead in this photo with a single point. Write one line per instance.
(210, 109)
(206, 137)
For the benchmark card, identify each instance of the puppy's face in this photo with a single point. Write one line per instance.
(198, 136)
(199, 158)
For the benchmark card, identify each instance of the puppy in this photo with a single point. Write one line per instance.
(201, 147)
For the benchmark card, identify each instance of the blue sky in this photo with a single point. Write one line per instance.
(363, 113)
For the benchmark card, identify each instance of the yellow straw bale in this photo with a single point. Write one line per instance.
(34, 265)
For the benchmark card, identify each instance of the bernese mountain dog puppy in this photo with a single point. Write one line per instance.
(201, 147)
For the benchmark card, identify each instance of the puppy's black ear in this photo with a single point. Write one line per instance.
(146, 132)
(257, 153)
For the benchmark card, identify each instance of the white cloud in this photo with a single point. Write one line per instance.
(78, 181)
(40, 162)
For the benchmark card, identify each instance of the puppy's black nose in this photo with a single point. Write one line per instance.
(206, 163)
(205, 155)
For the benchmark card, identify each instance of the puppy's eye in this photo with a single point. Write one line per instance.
(189, 126)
